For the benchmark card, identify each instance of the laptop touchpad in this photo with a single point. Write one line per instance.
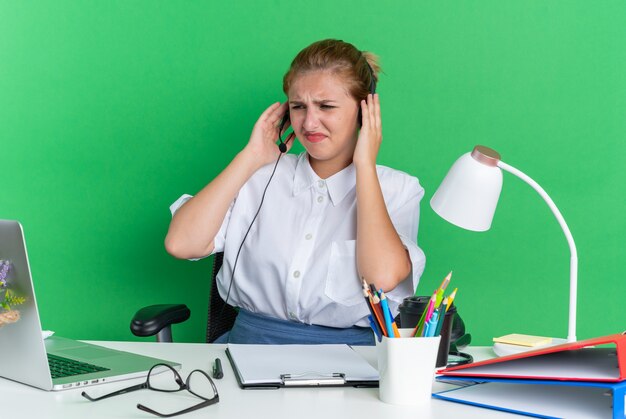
(88, 352)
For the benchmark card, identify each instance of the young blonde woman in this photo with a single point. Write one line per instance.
(330, 217)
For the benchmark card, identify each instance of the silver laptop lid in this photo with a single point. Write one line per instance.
(24, 356)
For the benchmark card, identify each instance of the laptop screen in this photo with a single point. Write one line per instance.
(23, 352)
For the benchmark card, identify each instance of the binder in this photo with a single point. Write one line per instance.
(540, 398)
(575, 361)
(277, 366)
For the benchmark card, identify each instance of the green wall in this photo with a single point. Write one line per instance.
(110, 110)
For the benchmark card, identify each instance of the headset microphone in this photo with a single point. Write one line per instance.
(282, 146)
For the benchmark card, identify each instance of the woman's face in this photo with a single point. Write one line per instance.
(324, 118)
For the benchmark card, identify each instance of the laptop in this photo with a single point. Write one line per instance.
(54, 363)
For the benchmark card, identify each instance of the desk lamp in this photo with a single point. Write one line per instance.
(468, 195)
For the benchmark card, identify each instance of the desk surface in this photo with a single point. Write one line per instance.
(20, 401)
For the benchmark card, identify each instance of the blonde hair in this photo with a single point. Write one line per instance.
(359, 69)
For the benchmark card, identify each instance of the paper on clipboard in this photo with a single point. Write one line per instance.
(268, 364)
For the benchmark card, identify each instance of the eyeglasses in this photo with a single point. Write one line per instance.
(164, 378)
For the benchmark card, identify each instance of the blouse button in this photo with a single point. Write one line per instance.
(296, 274)
(308, 236)
(321, 183)
(320, 199)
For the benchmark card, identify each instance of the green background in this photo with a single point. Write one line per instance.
(109, 111)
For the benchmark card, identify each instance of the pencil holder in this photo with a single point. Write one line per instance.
(406, 366)
(411, 310)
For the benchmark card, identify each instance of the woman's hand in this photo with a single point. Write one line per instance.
(371, 133)
(262, 144)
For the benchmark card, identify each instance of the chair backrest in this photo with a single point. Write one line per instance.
(221, 315)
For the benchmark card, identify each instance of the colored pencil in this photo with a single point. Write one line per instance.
(420, 325)
(378, 314)
(451, 299)
(386, 314)
(442, 289)
(367, 301)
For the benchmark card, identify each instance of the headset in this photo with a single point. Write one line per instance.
(282, 147)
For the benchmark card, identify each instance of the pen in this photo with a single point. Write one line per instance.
(217, 369)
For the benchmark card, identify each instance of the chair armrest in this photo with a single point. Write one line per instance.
(149, 321)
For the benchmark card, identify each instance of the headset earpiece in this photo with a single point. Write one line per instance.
(372, 90)
(372, 79)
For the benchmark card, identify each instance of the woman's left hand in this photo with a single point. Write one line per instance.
(371, 133)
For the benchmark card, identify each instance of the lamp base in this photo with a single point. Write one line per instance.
(504, 349)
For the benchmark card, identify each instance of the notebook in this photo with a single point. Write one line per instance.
(55, 363)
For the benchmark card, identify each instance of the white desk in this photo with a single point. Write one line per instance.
(18, 401)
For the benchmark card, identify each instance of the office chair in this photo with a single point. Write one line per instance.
(158, 319)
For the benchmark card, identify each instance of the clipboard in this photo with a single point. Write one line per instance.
(281, 366)
(540, 398)
(575, 361)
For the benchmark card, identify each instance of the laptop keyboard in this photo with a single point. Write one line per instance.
(65, 367)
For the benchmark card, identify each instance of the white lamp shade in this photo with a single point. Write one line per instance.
(469, 194)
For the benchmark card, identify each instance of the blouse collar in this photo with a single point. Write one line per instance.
(338, 184)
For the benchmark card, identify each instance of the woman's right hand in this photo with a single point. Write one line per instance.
(262, 144)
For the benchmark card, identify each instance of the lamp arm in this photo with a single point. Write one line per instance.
(573, 276)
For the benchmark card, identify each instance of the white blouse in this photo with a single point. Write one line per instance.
(299, 260)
